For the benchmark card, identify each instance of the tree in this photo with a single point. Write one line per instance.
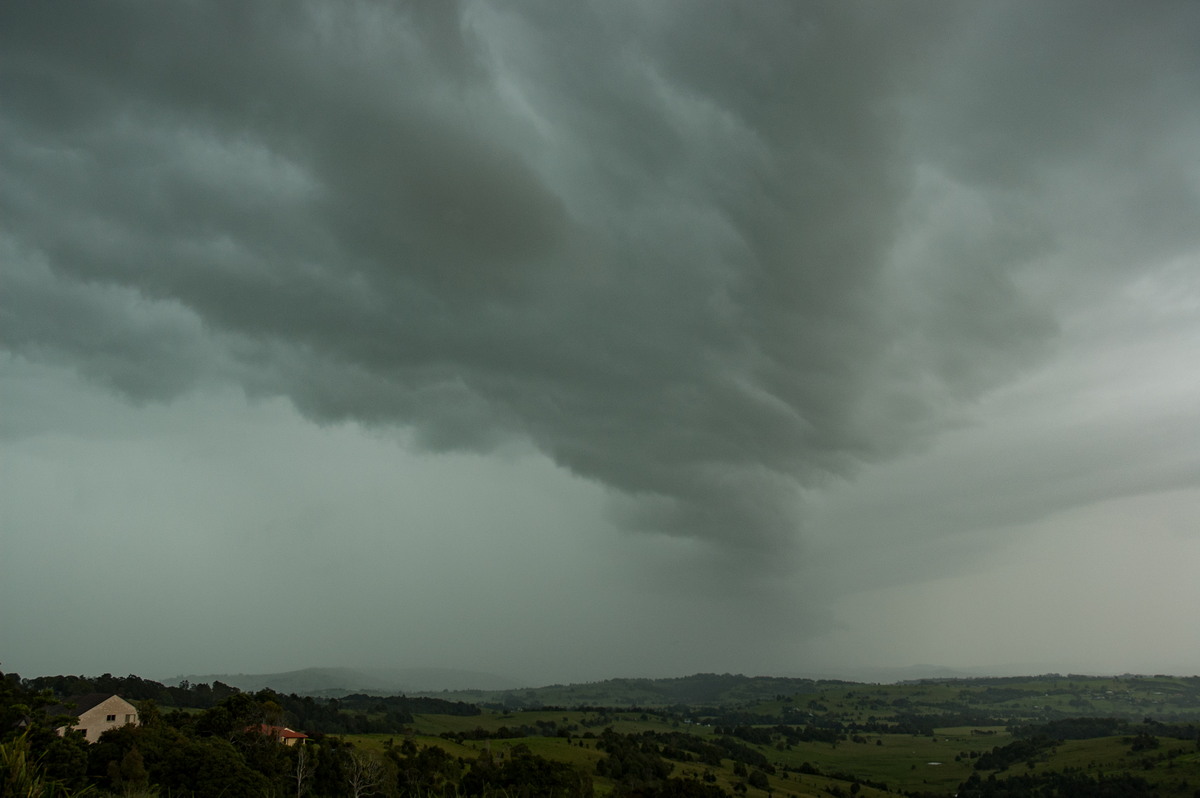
(24, 714)
(305, 765)
(423, 772)
(210, 766)
(129, 775)
(149, 713)
(21, 773)
(364, 774)
(1144, 741)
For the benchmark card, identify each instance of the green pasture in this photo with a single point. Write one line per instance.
(582, 753)
(1023, 700)
(908, 763)
(1173, 768)
(901, 761)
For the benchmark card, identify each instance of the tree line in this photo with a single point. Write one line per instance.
(220, 750)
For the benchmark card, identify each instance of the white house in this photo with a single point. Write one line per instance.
(95, 714)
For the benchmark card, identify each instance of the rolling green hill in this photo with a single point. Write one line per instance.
(1035, 697)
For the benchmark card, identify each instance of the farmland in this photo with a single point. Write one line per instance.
(705, 736)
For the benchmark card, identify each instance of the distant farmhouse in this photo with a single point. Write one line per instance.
(281, 734)
(95, 714)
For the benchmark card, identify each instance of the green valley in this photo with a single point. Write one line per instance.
(706, 735)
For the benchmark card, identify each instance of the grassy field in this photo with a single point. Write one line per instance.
(933, 760)
(899, 760)
(934, 764)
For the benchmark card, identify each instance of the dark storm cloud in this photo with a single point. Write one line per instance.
(702, 253)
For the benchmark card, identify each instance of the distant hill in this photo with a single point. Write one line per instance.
(485, 688)
(331, 682)
(736, 690)
(698, 689)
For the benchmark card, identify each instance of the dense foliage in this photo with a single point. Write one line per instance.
(220, 751)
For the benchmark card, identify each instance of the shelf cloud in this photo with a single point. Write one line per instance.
(715, 259)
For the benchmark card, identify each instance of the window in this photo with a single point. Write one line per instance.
(110, 718)
(129, 718)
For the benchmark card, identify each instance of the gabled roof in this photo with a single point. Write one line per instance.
(282, 732)
(78, 704)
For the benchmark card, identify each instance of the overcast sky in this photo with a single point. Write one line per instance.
(566, 341)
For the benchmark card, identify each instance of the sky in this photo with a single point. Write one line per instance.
(568, 341)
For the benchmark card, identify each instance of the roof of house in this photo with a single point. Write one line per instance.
(282, 732)
(78, 704)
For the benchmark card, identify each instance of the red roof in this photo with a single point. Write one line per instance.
(282, 732)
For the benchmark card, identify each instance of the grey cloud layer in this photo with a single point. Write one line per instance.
(703, 254)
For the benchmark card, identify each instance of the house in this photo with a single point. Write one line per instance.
(282, 734)
(95, 714)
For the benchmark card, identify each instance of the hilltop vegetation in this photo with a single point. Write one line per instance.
(337, 682)
(1047, 696)
(706, 735)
